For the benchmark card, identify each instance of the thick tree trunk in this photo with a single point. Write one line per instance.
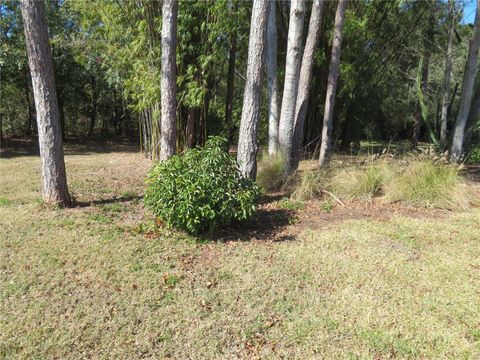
(305, 80)
(473, 115)
(467, 91)
(448, 71)
(247, 142)
(327, 142)
(231, 77)
(168, 137)
(292, 74)
(272, 83)
(55, 189)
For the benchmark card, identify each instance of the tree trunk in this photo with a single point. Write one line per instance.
(28, 129)
(272, 42)
(428, 41)
(247, 142)
(290, 87)
(448, 70)
(55, 189)
(473, 116)
(190, 127)
(61, 109)
(305, 80)
(327, 142)
(467, 91)
(231, 77)
(93, 113)
(168, 137)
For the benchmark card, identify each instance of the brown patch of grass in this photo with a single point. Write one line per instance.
(102, 281)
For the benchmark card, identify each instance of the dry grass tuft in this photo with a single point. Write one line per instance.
(426, 183)
(270, 175)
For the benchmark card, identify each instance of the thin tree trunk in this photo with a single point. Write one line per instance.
(247, 142)
(55, 189)
(190, 127)
(428, 41)
(273, 109)
(467, 91)
(28, 130)
(306, 79)
(327, 142)
(231, 77)
(448, 70)
(93, 113)
(290, 88)
(168, 137)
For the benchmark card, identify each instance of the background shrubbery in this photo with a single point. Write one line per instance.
(200, 190)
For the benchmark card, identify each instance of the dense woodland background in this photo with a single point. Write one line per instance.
(106, 57)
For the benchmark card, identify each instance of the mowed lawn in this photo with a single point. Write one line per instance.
(100, 281)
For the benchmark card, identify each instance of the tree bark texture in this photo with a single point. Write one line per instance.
(55, 189)
(231, 77)
(292, 74)
(168, 139)
(467, 91)
(448, 71)
(272, 83)
(327, 142)
(305, 80)
(247, 142)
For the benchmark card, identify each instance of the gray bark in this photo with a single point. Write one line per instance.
(55, 189)
(327, 143)
(290, 88)
(168, 138)
(448, 71)
(247, 142)
(273, 108)
(306, 79)
(467, 91)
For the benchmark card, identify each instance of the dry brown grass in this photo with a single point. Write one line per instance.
(100, 281)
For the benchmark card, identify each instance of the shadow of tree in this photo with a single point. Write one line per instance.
(113, 200)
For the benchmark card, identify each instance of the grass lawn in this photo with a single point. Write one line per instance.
(101, 281)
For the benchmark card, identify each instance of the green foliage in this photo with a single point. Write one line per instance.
(430, 184)
(200, 190)
(291, 204)
(270, 174)
(473, 156)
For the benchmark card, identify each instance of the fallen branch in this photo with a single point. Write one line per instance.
(334, 197)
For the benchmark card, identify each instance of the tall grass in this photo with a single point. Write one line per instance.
(426, 183)
(309, 185)
(271, 175)
(360, 182)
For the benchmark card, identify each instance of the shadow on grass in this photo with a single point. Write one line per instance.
(12, 148)
(114, 200)
(266, 225)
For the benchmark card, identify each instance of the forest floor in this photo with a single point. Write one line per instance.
(100, 280)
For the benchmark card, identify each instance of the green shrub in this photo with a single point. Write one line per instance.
(200, 190)
(363, 182)
(473, 156)
(271, 176)
(430, 184)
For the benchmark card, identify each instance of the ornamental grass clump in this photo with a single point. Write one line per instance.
(200, 190)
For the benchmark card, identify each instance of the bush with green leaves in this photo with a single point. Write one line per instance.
(200, 189)
(473, 156)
